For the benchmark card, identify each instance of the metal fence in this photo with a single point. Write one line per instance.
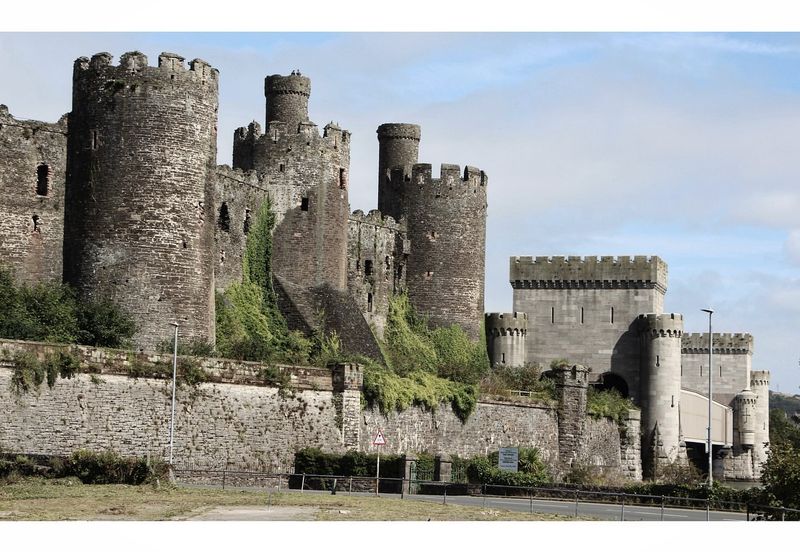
(399, 486)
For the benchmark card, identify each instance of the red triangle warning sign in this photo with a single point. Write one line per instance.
(379, 439)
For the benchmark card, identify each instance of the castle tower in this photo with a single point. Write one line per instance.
(572, 383)
(505, 338)
(398, 148)
(759, 384)
(745, 418)
(138, 222)
(585, 309)
(660, 387)
(446, 220)
(287, 99)
(306, 178)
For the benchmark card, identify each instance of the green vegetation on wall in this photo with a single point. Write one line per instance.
(607, 403)
(53, 313)
(424, 366)
(531, 470)
(249, 324)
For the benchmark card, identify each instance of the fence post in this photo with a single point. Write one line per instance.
(576, 502)
(783, 515)
(484, 495)
(530, 498)
(224, 473)
(662, 507)
(747, 509)
(708, 509)
(303, 483)
(444, 501)
(622, 514)
(351, 485)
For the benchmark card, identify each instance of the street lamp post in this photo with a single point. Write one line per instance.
(710, 370)
(174, 378)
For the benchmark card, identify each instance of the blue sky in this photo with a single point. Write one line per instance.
(677, 145)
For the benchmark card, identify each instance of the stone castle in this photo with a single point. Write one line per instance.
(122, 199)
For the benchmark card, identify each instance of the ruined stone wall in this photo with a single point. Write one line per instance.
(732, 357)
(376, 259)
(584, 309)
(32, 173)
(139, 227)
(238, 197)
(447, 229)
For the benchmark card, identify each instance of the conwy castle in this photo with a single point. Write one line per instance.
(122, 199)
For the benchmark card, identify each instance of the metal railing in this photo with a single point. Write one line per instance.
(302, 482)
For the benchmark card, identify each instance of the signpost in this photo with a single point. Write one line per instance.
(378, 441)
(508, 459)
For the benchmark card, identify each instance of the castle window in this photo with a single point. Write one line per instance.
(581, 315)
(281, 167)
(304, 204)
(36, 227)
(720, 370)
(399, 271)
(342, 179)
(367, 267)
(43, 180)
(247, 221)
(701, 370)
(612, 315)
(552, 315)
(94, 140)
(369, 302)
(224, 219)
(503, 358)
(658, 360)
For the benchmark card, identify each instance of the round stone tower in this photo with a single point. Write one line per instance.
(759, 384)
(745, 421)
(398, 148)
(446, 221)
(505, 338)
(287, 99)
(138, 222)
(660, 386)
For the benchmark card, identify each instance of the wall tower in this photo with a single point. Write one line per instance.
(446, 219)
(287, 99)
(398, 148)
(138, 221)
(759, 384)
(660, 388)
(505, 338)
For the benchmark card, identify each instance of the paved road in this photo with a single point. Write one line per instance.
(606, 512)
(588, 509)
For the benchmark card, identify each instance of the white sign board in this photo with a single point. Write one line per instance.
(379, 439)
(508, 459)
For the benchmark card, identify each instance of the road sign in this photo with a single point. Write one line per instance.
(508, 459)
(379, 439)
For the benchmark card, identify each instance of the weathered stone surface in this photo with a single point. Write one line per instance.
(32, 173)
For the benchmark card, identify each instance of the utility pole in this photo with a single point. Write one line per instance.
(710, 370)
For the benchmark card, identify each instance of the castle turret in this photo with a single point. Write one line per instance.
(660, 388)
(759, 384)
(398, 148)
(287, 99)
(505, 338)
(139, 191)
(572, 382)
(745, 420)
(447, 229)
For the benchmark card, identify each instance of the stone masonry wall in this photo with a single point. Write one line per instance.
(583, 309)
(32, 173)
(733, 357)
(376, 261)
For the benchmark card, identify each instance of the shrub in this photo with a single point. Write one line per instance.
(607, 404)
(109, 467)
(527, 378)
(532, 470)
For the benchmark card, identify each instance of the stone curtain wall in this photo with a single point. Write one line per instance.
(235, 419)
(32, 173)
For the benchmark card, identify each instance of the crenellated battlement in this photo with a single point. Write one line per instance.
(7, 119)
(376, 218)
(574, 272)
(759, 378)
(288, 84)
(724, 343)
(133, 68)
(449, 175)
(506, 323)
(661, 325)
